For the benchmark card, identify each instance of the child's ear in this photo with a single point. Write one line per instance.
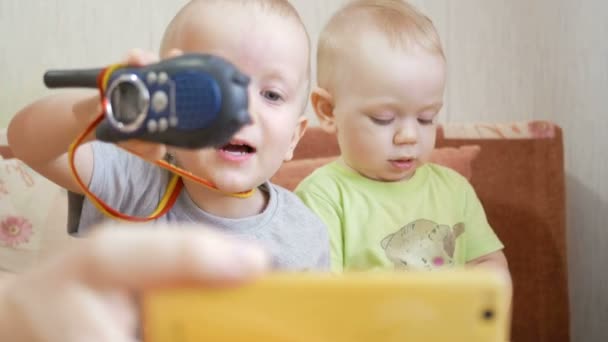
(301, 126)
(323, 104)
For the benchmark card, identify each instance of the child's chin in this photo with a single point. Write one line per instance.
(396, 177)
(405, 177)
(232, 187)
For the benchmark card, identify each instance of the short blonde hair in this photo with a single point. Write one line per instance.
(401, 23)
(283, 8)
(279, 7)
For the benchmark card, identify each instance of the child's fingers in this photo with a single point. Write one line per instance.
(174, 53)
(140, 57)
(139, 258)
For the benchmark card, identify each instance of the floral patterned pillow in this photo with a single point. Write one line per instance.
(28, 201)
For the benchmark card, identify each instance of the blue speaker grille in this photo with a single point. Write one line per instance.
(198, 99)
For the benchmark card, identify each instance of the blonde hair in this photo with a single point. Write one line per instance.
(283, 8)
(279, 7)
(400, 22)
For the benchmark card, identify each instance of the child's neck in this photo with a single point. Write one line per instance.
(224, 205)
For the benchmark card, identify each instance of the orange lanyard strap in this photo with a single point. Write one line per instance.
(167, 201)
(174, 186)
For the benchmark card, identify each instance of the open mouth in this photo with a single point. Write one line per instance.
(403, 160)
(403, 163)
(238, 148)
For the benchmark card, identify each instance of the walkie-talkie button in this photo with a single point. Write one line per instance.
(160, 100)
(151, 77)
(163, 124)
(162, 77)
(152, 126)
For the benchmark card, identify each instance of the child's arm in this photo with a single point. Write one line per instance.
(495, 260)
(41, 133)
(83, 294)
(329, 214)
(498, 262)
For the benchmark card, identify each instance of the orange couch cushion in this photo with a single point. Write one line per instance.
(520, 179)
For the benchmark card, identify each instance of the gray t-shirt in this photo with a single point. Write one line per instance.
(295, 237)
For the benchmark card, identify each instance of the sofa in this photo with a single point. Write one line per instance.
(517, 170)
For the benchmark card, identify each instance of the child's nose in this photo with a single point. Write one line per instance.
(406, 134)
(253, 114)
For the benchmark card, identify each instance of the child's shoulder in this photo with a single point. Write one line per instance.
(287, 199)
(445, 171)
(446, 175)
(291, 208)
(322, 176)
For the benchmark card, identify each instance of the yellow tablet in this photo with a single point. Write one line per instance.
(462, 305)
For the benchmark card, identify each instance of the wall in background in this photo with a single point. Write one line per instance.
(508, 60)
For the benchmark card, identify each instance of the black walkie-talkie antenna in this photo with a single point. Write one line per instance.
(72, 78)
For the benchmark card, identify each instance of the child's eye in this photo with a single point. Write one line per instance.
(381, 122)
(425, 121)
(271, 95)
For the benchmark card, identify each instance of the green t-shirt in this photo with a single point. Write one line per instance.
(430, 221)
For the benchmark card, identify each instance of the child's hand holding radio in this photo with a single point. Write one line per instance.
(189, 101)
(91, 107)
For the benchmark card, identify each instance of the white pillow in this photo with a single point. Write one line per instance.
(30, 206)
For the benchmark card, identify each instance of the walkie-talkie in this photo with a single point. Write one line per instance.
(191, 101)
